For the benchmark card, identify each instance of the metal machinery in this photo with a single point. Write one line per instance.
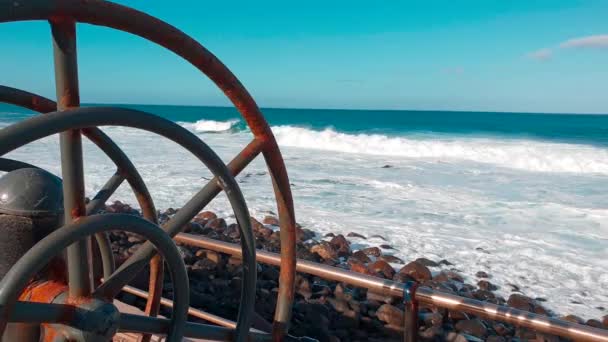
(49, 290)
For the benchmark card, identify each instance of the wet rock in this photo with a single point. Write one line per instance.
(218, 224)
(387, 166)
(417, 271)
(385, 246)
(378, 237)
(524, 303)
(204, 265)
(445, 276)
(433, 319)
(382, 267)
(271, 220)
(481, 274)
(186, 254)
(433, 333)
(373, 251)
(402, 278)
(338, 305)
(134, 238)
(501, 329)
(427, 262)
(483, 295)
(390, 314)
(594, 323)
(473, 327)
(486, 285)
(495, 338)
(456, 337)
(573, 319)
(514, 288)
(445, 262)
(325, 250)
(304, 234)
(457, 315)
(605, 321)
(356, 235)
(342, 245)
(391, 259)
(205, 216)
(360, 268)
(361, 256)
(375, 297)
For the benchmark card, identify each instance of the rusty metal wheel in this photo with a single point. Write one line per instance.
(39, 127)
(63, 15)
(91, 318)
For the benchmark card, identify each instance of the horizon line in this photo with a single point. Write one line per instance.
(351, 109)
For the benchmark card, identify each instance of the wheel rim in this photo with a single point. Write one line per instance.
(129, 20)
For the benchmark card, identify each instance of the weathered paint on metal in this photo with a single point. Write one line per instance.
(138, 23)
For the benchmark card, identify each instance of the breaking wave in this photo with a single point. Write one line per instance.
(529, 155)
(213, 126)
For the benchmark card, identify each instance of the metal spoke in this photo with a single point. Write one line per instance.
(66, 83)
(104, 194)
(127, 271)
(32, 312)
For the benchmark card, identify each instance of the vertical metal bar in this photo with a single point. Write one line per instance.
(68, 96)
(410, 316)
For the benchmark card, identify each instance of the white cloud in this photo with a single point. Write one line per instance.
(597, 41)
(541, 55)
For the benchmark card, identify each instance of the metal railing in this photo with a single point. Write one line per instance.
(422, 294)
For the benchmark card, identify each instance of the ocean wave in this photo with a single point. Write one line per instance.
(520, 154)
(212, 125)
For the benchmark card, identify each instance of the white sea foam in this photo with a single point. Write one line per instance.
(211, 125)
(520, 154)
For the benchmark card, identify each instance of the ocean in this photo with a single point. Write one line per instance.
(519, 196)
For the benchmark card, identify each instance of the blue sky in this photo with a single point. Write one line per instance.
(487, 55)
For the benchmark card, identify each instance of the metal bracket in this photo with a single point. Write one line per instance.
(410, 315)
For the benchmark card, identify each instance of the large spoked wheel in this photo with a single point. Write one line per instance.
(101, 319)
(38, 127)
(62, 15)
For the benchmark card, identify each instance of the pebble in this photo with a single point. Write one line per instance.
(473, 327)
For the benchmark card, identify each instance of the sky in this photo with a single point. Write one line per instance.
(480, 55)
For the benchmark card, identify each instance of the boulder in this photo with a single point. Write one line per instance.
(271, 220)
(325, 250)
(361, 256)
(342, 245)
(382, 267)
(390, 314)
(486, 285)
(417, 271)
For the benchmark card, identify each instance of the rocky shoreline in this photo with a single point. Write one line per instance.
(328, 310)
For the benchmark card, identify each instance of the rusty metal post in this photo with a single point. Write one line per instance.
(410, 314)
(66, 83)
